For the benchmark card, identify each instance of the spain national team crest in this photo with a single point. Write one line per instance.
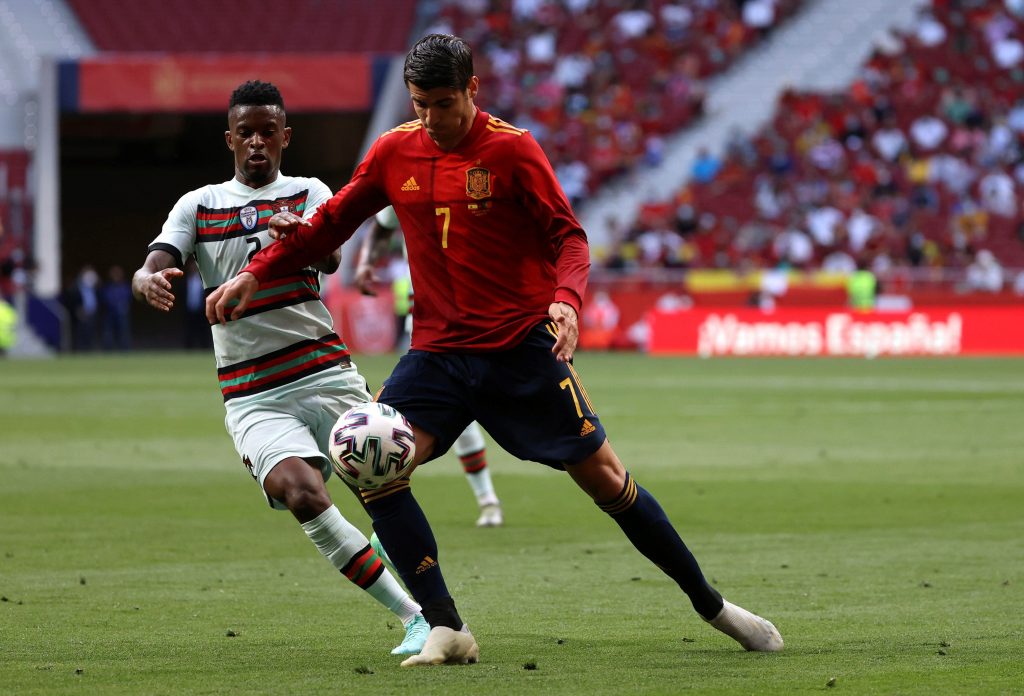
(248, 216)
(478, 183)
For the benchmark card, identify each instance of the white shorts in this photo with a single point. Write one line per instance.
(294, 420)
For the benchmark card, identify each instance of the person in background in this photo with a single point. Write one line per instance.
(8, 326)
(83, 304)
(116, 296)
(984, 274)
(862, 288)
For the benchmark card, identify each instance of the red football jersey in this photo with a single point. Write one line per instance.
(492, 239)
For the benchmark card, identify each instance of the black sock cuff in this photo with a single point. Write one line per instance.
(710, 602)
(442, 612)
(387, 494)
(624, 500)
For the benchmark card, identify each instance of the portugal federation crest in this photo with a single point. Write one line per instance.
(478, 183)
(282, 205)
(248, 216)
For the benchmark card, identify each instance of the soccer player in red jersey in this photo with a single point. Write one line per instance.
(500, 266)
(469, 447)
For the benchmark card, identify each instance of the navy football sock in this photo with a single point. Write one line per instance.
(403, 529)
(646, 525)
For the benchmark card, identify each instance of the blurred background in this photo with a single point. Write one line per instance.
(756, 177)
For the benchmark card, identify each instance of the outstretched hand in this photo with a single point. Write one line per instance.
(241, 288)
(564, 317)
(155, 288)
(365, 279)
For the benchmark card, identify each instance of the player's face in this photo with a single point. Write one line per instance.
(446, 113)
(257, 135)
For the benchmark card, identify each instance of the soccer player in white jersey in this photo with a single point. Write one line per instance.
(284, 373)
(470, 447)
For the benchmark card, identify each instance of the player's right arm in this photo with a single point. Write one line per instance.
(175, 244)
(152, 282)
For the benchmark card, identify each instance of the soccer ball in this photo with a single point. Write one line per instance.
(371, 444)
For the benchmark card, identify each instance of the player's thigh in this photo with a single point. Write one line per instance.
(266, 432)
(432, 391)
(336, 391)
(535, 407)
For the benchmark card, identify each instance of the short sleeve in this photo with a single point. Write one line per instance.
(178, 235)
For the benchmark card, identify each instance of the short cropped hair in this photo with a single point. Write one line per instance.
(256, 93)
(439, 60)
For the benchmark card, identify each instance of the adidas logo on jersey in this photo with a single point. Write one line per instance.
(426, 564)
(411, 185)
(587, 428)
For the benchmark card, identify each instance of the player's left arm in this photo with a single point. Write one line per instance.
(550, 207)
(565, 318)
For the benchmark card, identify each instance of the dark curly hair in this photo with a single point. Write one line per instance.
(256, 93)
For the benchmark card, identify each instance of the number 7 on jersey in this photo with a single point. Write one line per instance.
(447, 212)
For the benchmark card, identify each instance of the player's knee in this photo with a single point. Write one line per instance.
(601, 474)
(307, 503)
(424, 444)
(300, 486)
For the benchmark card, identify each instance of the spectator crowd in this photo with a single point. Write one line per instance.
(599, 83)
(919, 163)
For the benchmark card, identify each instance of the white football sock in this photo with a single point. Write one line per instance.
(470, 441)
(340, 542)
(483, 489)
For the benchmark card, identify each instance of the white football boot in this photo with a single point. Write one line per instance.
(446, 646)
(490, 515)
(749, 630)
(416, 633)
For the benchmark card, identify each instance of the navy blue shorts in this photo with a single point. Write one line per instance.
(531, 404)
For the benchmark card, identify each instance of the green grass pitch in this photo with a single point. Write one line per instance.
(871, 509)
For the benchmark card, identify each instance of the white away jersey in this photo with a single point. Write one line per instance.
(286, 332)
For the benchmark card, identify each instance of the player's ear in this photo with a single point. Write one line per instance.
(227, 139)
(473, 87)
(287, 137)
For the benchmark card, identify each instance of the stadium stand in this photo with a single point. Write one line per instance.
(15, 217)
(29, 32)
(600, 83)
(917, 164)
(229, 26)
